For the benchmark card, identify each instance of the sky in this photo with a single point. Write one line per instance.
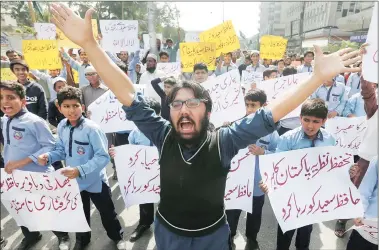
(200, 16)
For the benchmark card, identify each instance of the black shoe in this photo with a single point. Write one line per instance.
(26, 243)
(80, 245)
(252, 245)
(138, 232)
(3, 242)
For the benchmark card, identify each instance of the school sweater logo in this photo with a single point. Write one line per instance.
(80, 150)
(17, 135)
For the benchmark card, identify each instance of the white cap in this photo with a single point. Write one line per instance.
(152, 56)
(254, 52)
(90, 69)
(58, 79)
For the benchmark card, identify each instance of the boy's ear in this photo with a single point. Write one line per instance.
(83, 107)
(23, 101)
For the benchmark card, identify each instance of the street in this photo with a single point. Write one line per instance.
(322, 235)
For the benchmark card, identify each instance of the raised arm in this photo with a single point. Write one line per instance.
(80, 32)
(326, 67)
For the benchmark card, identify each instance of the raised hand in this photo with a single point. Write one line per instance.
(328, 66)
(78, 30)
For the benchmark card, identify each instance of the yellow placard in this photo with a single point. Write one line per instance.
(64, 42)
(192, 53)
(272, 47)
(7, 74)
(224, 36)
(95, 29)
(41, 54)
(75, 74)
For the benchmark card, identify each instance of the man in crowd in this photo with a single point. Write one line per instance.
(225, 64)
(171, 49)
(150, 74)
(307, 66)
(80, 67)
(255, 65)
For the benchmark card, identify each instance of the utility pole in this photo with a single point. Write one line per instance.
(31, 11)
(301, 29)
(151, 27)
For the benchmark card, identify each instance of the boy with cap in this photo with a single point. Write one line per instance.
(54, 116)
(255, 65)
(49, 78)
(36, 101)
(26, 137)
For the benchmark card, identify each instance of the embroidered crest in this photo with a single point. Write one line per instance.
(80, 150)
(17, 135)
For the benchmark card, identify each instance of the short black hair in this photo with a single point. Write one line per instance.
(169, 40)
(314, 107)
(19, 62)
(163, 53)
(289, 71)
(256, 95)
(268, 72)
(281, 60)
(170, 81)
(80, 51)
(309, 52)
(14, 86)
(229, 54)
(200, 66)
(198, 91)
(12, 51)
(153, 104)
(69, 93)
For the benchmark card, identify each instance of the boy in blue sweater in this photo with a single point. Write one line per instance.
(26, 136)
(83, 146)
(254, 100)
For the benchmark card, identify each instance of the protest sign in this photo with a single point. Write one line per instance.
(370, 59)
(329, 193)
(240, 182)
(192, 53)
(223, 35)
(249, 77)
(43, 201)
(64, 42)
(227, 98)
(45, 31)
(41, 54)
(7, 74)
(139, 174)
(192, 36)
(107, 112)
(139, 177)
(369, 230)
(277, 87)
(146, 40)
(170, 69)
(348, 132)
(119, 35)
(272, 47)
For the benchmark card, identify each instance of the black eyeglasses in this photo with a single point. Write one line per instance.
(190, 103)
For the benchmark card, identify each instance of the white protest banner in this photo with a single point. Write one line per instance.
(146, 40)
(108, 113)
(227, 98)
(370, 59)
(240, 182)
(43, 201)
(119, 35)
(329, 193)
(45, 31)
(248, 77)
(348, 132)
(275, 88)
(138, 172)
(192, 36)
(170, 69)
(369, 230)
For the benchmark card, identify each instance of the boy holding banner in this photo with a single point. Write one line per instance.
(84, 147)
(26, 136)
(313, 115)
(254, 100)
(194, 162)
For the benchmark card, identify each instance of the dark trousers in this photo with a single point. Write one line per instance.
(119, 140)
(28, 234)
(356, 242)
(108, 215)
(146, 214)
(282, 130)
(57, 165)
(253, 221)
(303, 238)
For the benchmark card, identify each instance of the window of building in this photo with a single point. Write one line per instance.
(339, 6)
(352, 7)
(344, 13)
